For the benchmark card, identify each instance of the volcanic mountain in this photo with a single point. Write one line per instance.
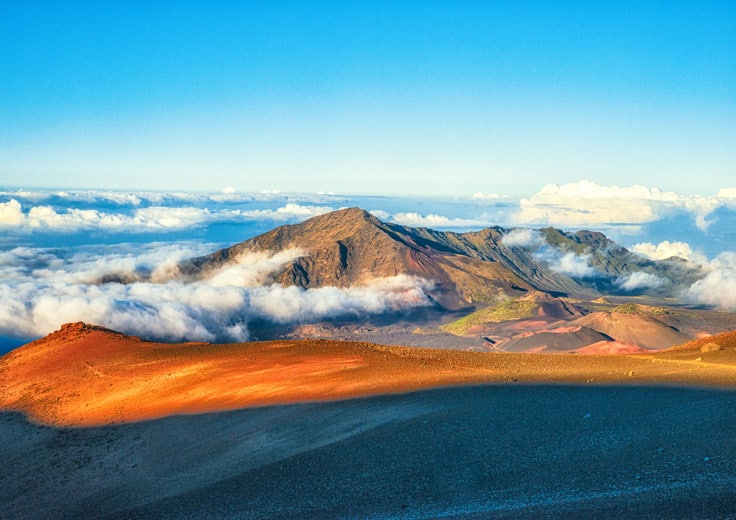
(350, 247)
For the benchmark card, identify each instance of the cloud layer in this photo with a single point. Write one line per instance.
(582, 204)
(41, 289)
(432, 220)
(718, 287)
(141, 220)
(588, 204)
(667, 249)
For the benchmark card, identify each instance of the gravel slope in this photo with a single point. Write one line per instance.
(471, 452)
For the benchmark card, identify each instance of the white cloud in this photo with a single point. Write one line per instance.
(434, 221)
(727, 194)
(160, 217)
(292, 304)
(639, 280)
(287, 212)
(40, 289)
(488, 196)
(33, 196)
(576, 266)
(251, 269)
(148, 219)
(380, 214)
(667, 249)
(587, 203)
(101, 198)
(116, 197)
(11, 213)
(523, 237)
(567, 263)
(718, 287)
(155, 218)
(570, 264)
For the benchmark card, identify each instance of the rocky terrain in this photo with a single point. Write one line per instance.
(88, 375)
(497, 289)
(350, 246)
(125, 428)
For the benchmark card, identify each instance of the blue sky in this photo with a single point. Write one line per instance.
(422, 98)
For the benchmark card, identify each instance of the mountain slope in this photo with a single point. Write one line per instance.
(351, 247)
(599, 332)
(88, 375)
(645, 331)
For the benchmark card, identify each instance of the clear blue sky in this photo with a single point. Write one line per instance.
(430, 98)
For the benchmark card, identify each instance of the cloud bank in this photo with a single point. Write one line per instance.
(432, 220)
(141, 220)
(639, 280)
(718, 287)
(40, 289)
(588, 204)
(667, 249)
(582, 204)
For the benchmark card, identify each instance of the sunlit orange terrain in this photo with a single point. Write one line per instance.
(84, 375)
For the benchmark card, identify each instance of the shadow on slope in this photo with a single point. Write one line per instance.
(505, 451)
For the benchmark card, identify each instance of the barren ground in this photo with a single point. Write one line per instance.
(144, 430)
(85, 376)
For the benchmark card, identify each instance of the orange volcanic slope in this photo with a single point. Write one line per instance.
(87, 375)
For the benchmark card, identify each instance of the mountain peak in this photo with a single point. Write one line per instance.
(346, 216)
(351, 247)
(353, 212)
(325, 229)
(70, 332)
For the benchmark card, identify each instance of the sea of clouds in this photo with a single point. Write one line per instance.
(40, 289)
(56, 246)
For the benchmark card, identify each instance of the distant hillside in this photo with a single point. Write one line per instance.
(597, 332)
(351, 247)
(645, 331)
(534, 305)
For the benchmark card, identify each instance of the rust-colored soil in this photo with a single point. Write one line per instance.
(84, 375)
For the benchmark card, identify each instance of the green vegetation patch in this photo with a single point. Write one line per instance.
(506, 311)
(641, 310)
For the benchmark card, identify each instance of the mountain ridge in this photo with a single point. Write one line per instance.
(349, 247)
